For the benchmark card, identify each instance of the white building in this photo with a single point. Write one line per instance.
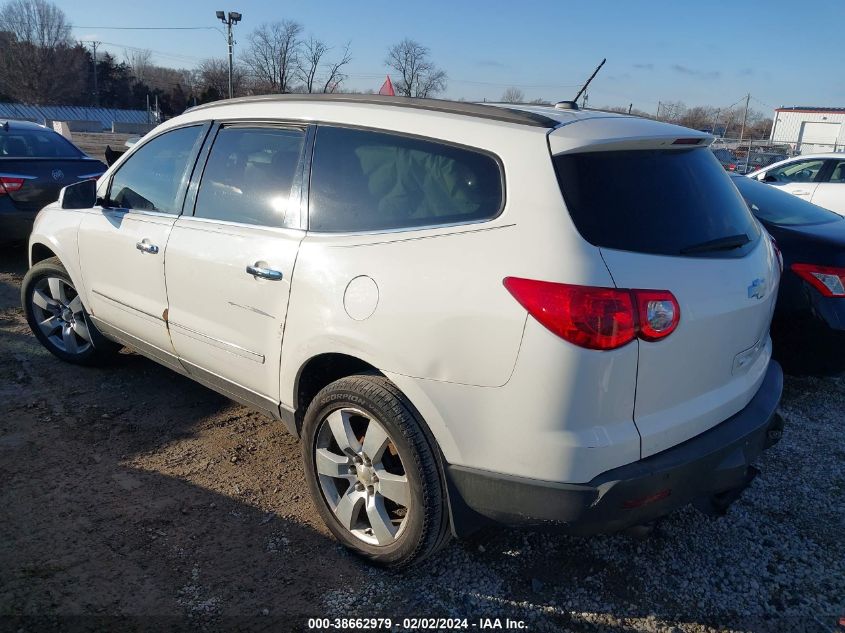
(810, 130)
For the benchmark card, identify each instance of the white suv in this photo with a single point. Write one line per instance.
(468, 312)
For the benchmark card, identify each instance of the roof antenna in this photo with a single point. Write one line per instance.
(573, 105)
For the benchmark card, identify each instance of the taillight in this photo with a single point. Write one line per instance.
(597, 318)
(8, 184)
(827, 280)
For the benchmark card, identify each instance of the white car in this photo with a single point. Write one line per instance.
(816, 178)
(529, 315)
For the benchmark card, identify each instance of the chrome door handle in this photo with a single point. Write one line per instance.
(259, 269)
(145, 247)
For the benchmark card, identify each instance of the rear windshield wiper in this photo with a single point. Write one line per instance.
(720, 244)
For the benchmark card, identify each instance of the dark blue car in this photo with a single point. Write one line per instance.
(35, 163)
(809, 324)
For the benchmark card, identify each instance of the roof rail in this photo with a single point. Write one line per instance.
(478, 110)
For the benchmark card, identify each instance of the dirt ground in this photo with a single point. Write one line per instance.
(135, 499)
(132, 490)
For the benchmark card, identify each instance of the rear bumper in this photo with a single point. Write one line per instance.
(15, 225)
(709, 469)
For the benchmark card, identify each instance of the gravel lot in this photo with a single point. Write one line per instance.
(132, 491)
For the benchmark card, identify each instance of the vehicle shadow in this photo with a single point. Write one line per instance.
(132, 491)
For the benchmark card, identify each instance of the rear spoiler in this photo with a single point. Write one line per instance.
(601, 134)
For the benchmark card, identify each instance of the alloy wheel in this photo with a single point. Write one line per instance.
(361, 476)
(60, 315)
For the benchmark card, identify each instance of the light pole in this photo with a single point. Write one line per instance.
(233, 18)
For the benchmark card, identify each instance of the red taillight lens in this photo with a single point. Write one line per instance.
(658, 312)
(597, 318)
(9, 184)
(827, 280)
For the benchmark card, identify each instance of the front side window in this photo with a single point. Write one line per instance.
(371, 181)
(800, 171)
(152, 177)
(249, 174)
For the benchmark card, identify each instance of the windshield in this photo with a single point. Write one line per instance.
(664, 202)
(770, 204)
(42, 143)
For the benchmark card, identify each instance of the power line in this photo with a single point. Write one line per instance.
(150, 28)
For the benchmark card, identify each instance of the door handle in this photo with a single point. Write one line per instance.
(801, 192)
(146, 247)
(259, 269)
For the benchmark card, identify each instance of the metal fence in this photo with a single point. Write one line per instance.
(765, 145)
(44, 114)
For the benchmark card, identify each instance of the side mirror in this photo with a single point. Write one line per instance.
(80, 195)
(768, 179)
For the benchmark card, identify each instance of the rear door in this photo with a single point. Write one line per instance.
(122, 242)
(670, 219)
(830, 192)
(230, 264)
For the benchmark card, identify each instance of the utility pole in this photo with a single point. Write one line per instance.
(229, 20)
(630, 107)
(657, 116)
(94, 46)
(742, 129)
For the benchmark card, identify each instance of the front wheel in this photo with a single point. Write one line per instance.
(57, 317)
(372, 471)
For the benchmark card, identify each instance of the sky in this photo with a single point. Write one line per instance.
(700, 52)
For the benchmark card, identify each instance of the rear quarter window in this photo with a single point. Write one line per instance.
(369, 181)
(662, 202)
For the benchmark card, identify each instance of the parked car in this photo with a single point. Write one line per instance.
(35, 163)
(811, 300)
(726, 158)
(528, 315)
(816, 178)
(757, 160)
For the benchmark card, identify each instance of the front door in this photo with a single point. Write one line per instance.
(830, 192)
(122, 242)
(799, 177)
(229, 265)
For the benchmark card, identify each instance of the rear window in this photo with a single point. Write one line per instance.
(770, 204)
(663, 202)
(371, 181)
(36, 144)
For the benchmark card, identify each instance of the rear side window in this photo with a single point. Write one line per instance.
(152, 177)
(249, 175)
(36, 144)
(370, 181)
(663, 202)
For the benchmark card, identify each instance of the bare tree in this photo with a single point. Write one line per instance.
(513, 95)
(312, 54)
(140, 61)
(334, 71)
(419, 76)
(39, 63)
(213, 78)
(273, 55)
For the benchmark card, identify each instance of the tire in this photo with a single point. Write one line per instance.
(358, 488)
(58, 319)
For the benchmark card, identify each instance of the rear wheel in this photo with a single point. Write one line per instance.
(57, 317)
(372, 471)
